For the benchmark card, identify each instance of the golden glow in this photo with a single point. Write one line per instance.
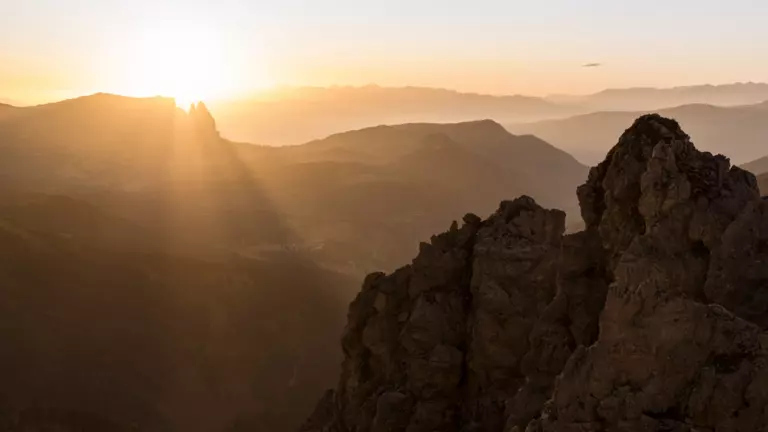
(187, 63)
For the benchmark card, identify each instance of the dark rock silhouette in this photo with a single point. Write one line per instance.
(652, 318)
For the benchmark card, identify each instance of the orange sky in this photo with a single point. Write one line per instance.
(194, 49)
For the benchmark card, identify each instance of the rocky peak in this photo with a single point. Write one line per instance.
(652, 318)
(202, 119)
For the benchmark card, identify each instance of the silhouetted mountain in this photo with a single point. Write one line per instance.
(741, 131)
(649, 98)
(651, 319)
(154, 276)
(297, 115)
(762, 181)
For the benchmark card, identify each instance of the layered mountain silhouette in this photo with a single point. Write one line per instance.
(296, 115)
(149, 162)
(158, 277)
(650, 319)
(299, 114)
(739, 130)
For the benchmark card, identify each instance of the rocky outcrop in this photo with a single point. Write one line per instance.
(652, 318)
(203, 120)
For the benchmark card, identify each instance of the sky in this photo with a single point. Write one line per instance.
(52, 49)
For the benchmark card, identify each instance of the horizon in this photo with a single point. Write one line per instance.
(191, 51)
(184, 102)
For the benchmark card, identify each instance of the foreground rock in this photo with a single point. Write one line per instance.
(652, 318)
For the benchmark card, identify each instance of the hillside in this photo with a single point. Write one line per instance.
(741, 131)
(762, 181)
(651, 319)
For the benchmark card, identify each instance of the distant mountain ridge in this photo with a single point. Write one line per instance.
(297, 115)
(743, 128)
(650, 98)
(300, 114)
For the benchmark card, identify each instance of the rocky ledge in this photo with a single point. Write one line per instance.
(653, 318)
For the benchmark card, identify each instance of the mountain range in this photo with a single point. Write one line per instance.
(125, 154)
(294, 115)
(156, 276)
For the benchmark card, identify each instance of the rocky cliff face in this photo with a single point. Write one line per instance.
(652, 318)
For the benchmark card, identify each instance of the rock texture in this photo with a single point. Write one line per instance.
(652, 318)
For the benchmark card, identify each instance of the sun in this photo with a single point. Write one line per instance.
(188, 63)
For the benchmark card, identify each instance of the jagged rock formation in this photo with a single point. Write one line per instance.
(652, 318)
(202, 119)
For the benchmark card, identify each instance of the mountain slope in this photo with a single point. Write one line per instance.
(762, 181)
(652, 318)
(532, 160)
(743, 129)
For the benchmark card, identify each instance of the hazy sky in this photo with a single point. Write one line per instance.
(56, 48)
